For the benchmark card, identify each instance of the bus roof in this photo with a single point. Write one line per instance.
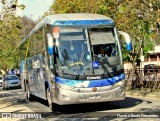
(74, 17)
(70, 19)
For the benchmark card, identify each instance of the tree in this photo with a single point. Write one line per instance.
(9, 34)
(140, 22)
(26, 29)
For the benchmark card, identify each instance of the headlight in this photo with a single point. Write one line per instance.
(120, 83)
(66, 87)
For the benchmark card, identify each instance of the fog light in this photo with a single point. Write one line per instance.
(66, 98)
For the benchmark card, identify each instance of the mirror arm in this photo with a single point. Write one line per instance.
(127, 39)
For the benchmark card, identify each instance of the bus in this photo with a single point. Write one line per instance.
(73, 58)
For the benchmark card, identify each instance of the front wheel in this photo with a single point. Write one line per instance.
(50, 103)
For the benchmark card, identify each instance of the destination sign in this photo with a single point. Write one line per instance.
(70, 30)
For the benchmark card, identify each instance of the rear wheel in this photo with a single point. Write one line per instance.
(50, 103)
(28, 95)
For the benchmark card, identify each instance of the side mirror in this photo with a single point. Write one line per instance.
(50, 44)
(127, 39)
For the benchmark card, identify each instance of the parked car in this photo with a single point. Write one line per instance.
(151, 68)
(11, 81)
(1, 80)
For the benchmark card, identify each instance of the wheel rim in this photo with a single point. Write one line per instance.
(27, 92)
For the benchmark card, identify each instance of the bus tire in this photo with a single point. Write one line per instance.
(24, 86)
(50, 103)
(28, 95)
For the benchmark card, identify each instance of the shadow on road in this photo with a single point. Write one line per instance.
(82, 108)
(92, 107)
(90, 110)
(102, 111)
(128, 102)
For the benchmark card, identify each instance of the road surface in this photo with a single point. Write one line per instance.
(132, 108)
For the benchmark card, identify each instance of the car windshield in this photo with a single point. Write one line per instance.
(88, 51)
(11, 77)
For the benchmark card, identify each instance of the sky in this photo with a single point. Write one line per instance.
(35, 8)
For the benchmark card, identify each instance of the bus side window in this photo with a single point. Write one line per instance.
(29, 64)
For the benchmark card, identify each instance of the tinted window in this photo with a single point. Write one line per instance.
(11, 77)
(151, 68)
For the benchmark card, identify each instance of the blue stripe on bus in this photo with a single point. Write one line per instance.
(83, 22)
(90, 83)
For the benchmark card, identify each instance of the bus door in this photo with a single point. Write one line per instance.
(39, 75)
(22, 74)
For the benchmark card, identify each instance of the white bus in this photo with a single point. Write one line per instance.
(73, 59)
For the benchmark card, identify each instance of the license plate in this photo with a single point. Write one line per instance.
(12, 85)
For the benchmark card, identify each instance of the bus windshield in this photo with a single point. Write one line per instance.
(87, 51)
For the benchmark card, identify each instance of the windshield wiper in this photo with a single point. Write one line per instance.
(103, 66)
(80, 65)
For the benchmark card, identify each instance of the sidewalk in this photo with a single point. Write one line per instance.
(143, 94)
(10, 102)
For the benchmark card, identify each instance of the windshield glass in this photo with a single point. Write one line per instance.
(11, 77)
(104, 47)
(90, 51)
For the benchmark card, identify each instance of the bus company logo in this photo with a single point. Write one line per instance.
(6, 115)
(93, 77)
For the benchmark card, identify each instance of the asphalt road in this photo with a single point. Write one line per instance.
(132, 108)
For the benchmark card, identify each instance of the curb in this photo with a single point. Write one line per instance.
(144, 94)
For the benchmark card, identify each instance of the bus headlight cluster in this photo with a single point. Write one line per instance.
(66, 87)
(120, 83)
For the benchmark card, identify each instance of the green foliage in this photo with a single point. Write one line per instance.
(9, 37)
(12, 30)
(134, 17)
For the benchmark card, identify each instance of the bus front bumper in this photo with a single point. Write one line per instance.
(64, 97)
